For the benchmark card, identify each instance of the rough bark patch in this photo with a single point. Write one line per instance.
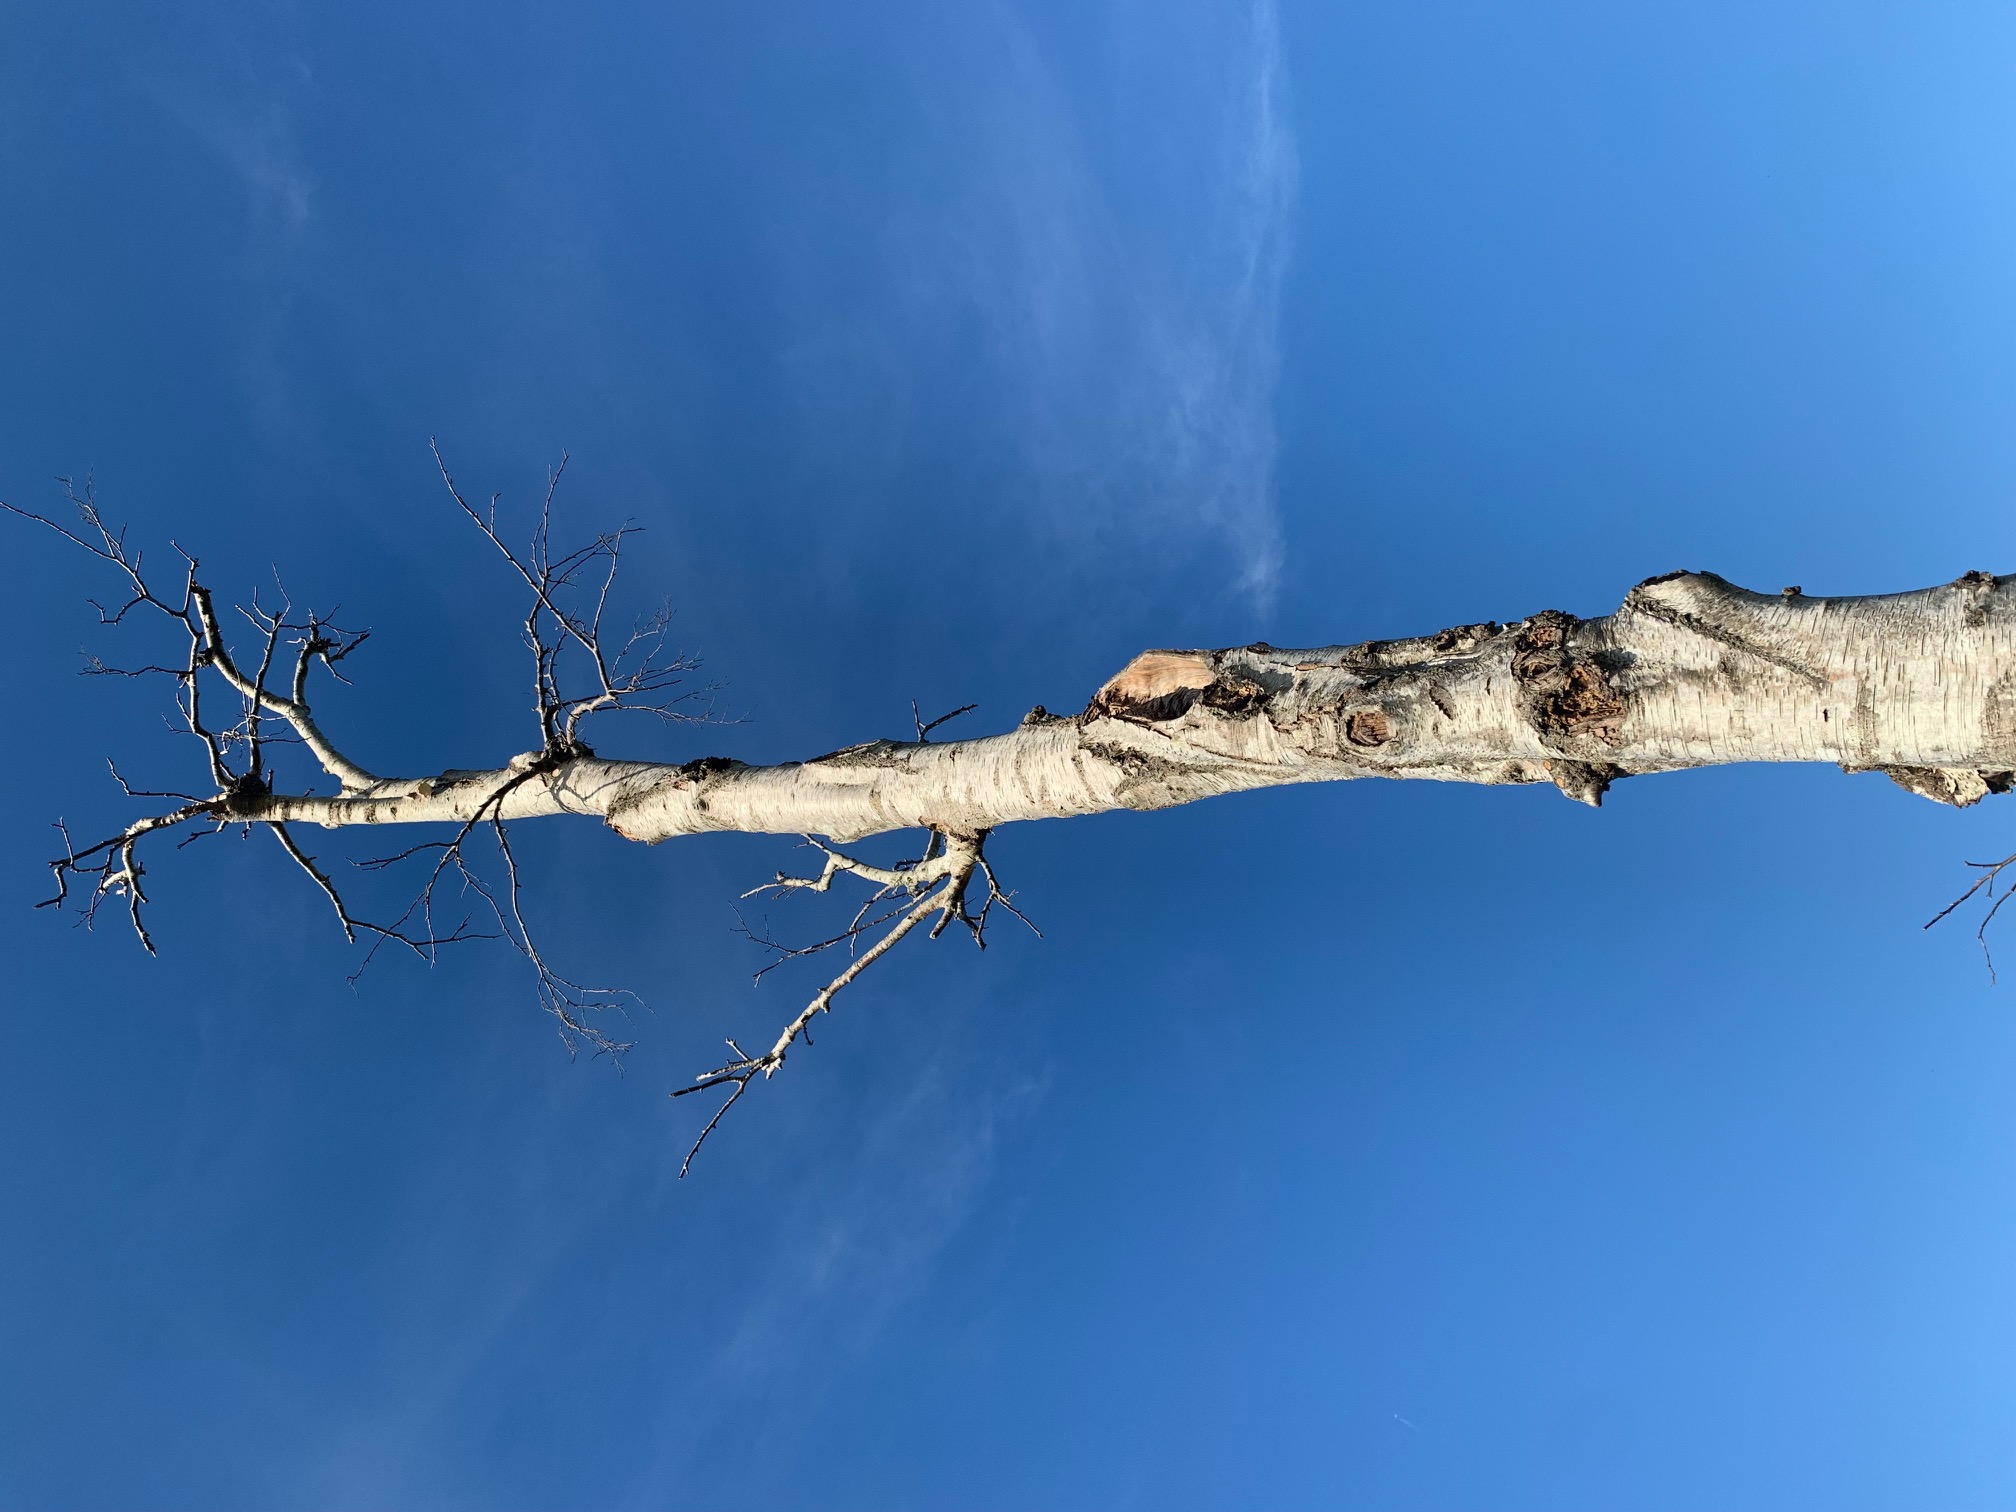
(1584, 781)
(1958, 787)
(1458, 640)
(870, 753)
(1567, 698)
(706, 766)
(1368, 727)
(1977, 586)
(1232, 694)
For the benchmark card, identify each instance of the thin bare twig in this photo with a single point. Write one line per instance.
(924, 730)
(1991, 873)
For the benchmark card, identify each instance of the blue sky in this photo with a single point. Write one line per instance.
(1380, 1147)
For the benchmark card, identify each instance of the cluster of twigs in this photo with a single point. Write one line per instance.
(266, 706)
(639, 678)
(248, 711)
(937, 886)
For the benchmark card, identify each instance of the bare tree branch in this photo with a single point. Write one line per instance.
(924, 730)
(1991, 873)
(938, 887)
(1689, 671)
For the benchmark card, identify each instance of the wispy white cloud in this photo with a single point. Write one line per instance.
(256, 138)
(926, 1161)
(241, 95)
(843, 1259)
(1105, 265)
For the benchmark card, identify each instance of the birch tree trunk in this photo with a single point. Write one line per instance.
(1690, 671)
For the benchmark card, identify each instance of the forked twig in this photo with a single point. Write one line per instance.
(1991, 872)
(267, 694)
(937, 887)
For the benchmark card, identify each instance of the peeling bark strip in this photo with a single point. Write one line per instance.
(1690, 671)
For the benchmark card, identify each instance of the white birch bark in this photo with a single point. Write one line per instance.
(1690, 671)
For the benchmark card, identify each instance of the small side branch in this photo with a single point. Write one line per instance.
(112, 868)
(1991, 875)
(422, 945)
(937, 889)
(191, 606)
(572, 1004)
(924, 730)
(570, 601)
